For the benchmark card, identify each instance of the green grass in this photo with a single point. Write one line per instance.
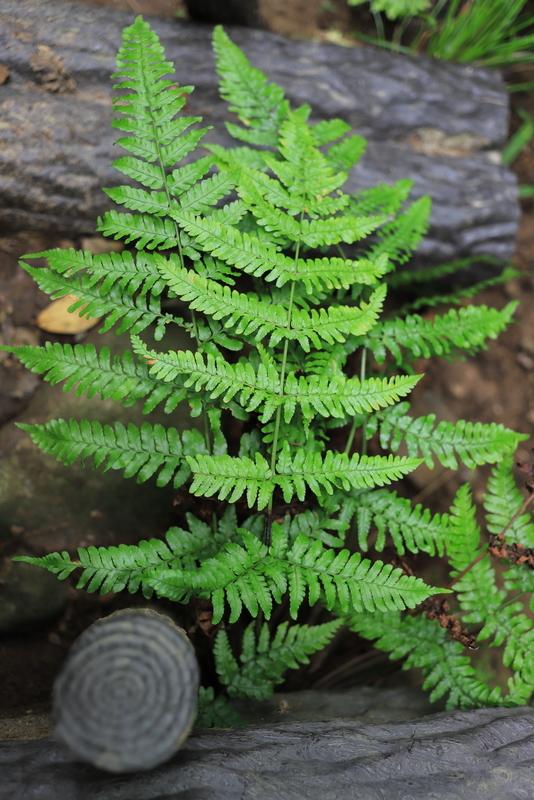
(492, 33)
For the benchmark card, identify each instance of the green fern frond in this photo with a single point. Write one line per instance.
(113, 569)
(344, 155)
(314, 232)
(323, 473)
(502, 501)
(93, 372)
(254, 575)
(259, 105)
(382, 199)
(59, 564)
(215, 712)
(230, 478)
(465, 329)
(427, 646)
(249, 254)
(142, 229)
(338, 396)
(430, 275)
(329, 130)
(65, 260)
(472, 443)
(249, 316)
(134, 313)
(154, 102)
(142, 451)
(412, 529)
(264, 660)
(129, 273)
(260, 388)
(477, 590)
(400, 237)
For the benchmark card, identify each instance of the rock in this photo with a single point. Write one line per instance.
(362, 703)
(58, 147)
(29, 597)
(468, 755)
(51, 506)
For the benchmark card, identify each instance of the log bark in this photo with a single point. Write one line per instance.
(438, 123)
(465, 755)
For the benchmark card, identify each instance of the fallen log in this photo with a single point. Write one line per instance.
(438, 123)
(465, 755)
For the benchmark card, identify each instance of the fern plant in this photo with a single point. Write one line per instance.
(279, 278)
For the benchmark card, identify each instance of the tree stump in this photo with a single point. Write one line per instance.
(126, 696)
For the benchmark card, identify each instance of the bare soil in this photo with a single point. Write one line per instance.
(496, 385)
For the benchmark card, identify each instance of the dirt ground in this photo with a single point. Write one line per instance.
(496, 385)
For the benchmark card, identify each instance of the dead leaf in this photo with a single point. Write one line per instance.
(51, 70)
(56, 319)
(98, 245)
(4, 73)
(432, 142)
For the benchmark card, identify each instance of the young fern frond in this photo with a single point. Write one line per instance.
(477, 589)
(142, 451)
(259, 105)
(264, 659)
(254, 575)
(401, 236)
(471, 443)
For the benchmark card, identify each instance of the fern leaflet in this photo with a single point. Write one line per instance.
(264, 660)
(253, 575)
(142, 451)
(93, 372)
(472, 443)
(465, 329)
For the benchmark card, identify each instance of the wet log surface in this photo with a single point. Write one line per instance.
(438, 123)
(474, 755)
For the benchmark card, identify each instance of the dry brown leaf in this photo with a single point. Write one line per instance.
(56, 319)
(51, 70)
(4, 73)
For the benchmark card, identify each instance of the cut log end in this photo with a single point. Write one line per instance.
(126, 697)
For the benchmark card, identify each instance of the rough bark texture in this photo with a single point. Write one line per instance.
(439, 123)
(474, 755)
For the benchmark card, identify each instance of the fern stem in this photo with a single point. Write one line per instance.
(283, 370)
(380, 32)
(350, 439)
(268, 520)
